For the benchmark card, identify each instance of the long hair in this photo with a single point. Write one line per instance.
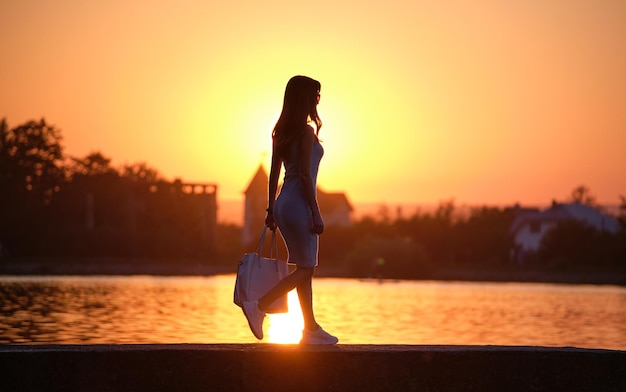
(299, 106)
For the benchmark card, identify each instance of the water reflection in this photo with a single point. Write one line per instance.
(286, 327)
(200, 310)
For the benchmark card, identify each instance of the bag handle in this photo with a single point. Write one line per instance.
(273, 247)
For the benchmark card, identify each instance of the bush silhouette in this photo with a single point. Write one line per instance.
(398, 257)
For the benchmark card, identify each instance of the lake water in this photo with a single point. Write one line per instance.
(144, 309)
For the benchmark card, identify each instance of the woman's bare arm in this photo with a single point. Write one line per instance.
(273, 187)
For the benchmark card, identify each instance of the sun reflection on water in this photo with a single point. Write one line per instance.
(147, 310)
(286, 328)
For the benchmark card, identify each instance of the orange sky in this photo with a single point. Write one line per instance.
(483, 101)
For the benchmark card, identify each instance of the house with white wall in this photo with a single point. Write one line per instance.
(530, 227)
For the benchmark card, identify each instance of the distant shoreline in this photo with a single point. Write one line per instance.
(231, 211)
(190, 269)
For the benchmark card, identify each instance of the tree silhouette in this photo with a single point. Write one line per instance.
(582, 195)
(92, 165)
(31, 174)
(141, 173)
(30, 161)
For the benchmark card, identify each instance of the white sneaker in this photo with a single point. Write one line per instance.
(255, 317)
(318, 336)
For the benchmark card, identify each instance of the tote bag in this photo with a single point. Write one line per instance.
(256, 275)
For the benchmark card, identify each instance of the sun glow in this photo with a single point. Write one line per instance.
(286, 328)
(441, 100)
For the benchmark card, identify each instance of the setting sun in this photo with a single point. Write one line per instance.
(286, 328)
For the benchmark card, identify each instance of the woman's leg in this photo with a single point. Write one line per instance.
(289, 282)
(305, 295)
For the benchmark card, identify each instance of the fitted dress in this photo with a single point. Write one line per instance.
(292, 212)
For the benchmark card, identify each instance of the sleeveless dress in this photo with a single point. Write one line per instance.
(292, 213)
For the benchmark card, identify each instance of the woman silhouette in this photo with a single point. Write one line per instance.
(295, 211)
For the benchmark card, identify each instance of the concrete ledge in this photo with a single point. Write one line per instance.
(266, 367)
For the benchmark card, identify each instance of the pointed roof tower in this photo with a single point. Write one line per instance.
(258, 184)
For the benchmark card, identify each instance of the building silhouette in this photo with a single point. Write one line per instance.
(203, 197)
(255, 203)
(335, 207)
